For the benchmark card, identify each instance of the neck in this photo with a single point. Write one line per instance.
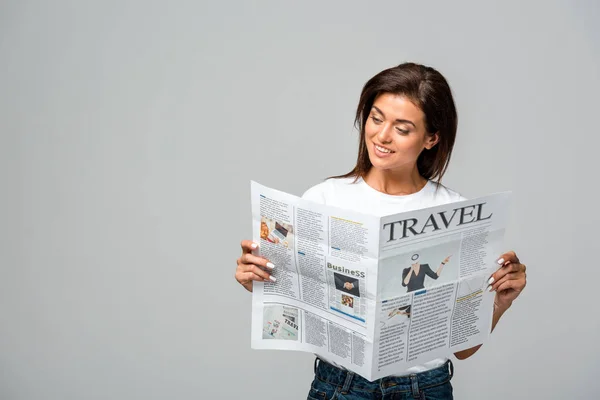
(395, 182)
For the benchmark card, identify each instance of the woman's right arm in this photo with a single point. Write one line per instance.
(252, 268)
(406, 274)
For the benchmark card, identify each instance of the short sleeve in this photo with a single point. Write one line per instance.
(316, 193)
(455, 196)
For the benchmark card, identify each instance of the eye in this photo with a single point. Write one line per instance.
(402, 131)
(376, 120)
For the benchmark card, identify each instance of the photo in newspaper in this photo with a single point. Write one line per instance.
(276, 232)
(345, 292)
(420, 267)
(395, 311)
(280, 322)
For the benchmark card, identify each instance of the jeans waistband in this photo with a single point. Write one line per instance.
(410, 383)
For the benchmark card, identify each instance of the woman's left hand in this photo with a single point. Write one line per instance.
(508, 281)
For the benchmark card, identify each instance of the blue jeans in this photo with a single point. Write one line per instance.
(333, 383)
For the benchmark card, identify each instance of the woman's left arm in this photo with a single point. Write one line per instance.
(508, 282)
(441, 267)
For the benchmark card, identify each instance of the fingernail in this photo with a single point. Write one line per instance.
(270, 265)
(272, 278)
(491, 280)
(489, 288)
(500, 261)
(253, 246)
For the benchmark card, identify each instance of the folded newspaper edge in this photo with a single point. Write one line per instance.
(375, 295)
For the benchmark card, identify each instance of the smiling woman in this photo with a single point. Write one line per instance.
(394, 144)
(407, 123)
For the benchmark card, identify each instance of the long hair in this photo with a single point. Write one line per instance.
(429, 91)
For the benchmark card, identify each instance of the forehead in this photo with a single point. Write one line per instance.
(396, 106)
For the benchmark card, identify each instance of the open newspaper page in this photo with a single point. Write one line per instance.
(324, 297)
(433, 273)
(375, 295)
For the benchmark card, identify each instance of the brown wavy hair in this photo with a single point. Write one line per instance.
(429, 91)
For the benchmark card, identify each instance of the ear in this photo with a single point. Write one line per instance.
(432, 140)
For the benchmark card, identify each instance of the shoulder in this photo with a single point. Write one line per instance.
(443, 194)
(324, 191)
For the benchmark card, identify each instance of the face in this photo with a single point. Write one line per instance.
(395, 133)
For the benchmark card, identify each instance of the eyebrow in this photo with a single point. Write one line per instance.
(405, 121)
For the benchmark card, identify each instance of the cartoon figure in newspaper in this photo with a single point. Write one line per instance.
(413, 277)
(398, 278)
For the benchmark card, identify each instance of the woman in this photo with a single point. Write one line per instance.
(413, 277)
(407, 123)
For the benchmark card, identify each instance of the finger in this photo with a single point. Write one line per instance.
(248, 246)
(508, 257)
(507, 277)
(248, 258)
(250, 276)
(264, 275)
(502, 271)
(243, 277)
(515, 284)
(243, 268)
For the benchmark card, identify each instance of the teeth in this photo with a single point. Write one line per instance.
(383, 150)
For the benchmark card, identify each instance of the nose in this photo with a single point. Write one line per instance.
(385, 133)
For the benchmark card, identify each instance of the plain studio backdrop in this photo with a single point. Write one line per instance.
(130, 132)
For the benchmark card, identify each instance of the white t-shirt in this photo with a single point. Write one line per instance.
(360, 197)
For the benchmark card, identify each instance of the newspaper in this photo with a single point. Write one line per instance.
(375, 295)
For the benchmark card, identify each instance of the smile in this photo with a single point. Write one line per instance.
(383, 149)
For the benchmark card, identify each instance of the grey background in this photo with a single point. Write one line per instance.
(130, 131)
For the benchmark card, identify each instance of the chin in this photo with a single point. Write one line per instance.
(380, 166)
(378, 163)
(398, 165)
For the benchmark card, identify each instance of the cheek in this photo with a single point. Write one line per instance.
(411, 144)
(371, 129)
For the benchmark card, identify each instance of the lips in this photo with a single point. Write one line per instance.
(382, 151)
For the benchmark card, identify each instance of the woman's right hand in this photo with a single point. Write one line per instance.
(250, 267)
